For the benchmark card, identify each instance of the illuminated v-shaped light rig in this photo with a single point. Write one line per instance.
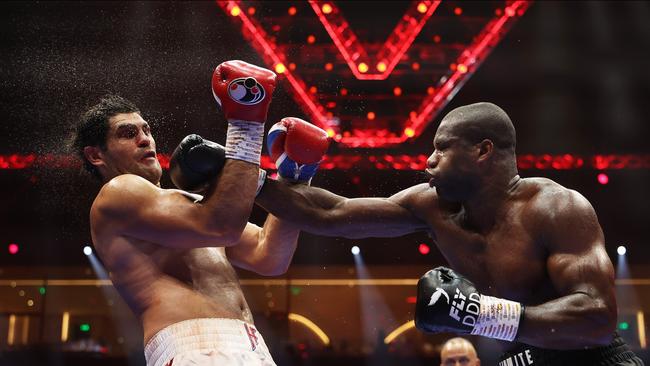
(365, 66)
(362, 65)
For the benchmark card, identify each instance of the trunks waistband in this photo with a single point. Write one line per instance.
(203, 334)
(524, 355)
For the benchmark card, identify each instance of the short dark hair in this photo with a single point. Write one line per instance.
(92, 128)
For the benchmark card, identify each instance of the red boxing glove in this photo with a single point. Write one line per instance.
(296, 147)
(243, 90)
(244, 93)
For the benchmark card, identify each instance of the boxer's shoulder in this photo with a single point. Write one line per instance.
(545, 195)
(122, 193)
(417, 196)
(549, 205)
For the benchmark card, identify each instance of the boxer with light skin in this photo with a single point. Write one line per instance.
(170, 253)
(458, 352)
(530, 256)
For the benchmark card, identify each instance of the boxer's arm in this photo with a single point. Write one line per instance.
(138, 209)
(321, 212)
(267, 250)
(581, 271)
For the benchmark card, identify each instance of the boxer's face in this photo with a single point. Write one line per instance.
(452, 165)
(130, 148)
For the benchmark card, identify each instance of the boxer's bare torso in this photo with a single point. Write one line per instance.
(165, 285)
(510, 258)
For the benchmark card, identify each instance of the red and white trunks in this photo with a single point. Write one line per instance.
(208, 341)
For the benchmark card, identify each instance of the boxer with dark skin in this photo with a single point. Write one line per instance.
(529, 240)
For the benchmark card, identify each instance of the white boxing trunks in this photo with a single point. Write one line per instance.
(208, 341)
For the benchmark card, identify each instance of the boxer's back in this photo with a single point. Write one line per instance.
(509, 259)
(165, 285)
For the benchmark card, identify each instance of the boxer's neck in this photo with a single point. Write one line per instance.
(484, 207)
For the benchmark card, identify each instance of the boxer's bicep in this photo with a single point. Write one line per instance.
(268, 251)
(245, 253)
(163, 217)
(578, 262)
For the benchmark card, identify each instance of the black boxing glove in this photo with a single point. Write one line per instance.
(195, 163)
(448, 302)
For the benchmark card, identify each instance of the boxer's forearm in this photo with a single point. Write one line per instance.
(304, 206)
(229, 202)
(570, 322)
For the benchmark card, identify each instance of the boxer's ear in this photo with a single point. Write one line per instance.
(94, 155)
(485, 150)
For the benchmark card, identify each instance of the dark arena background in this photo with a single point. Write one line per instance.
(378, 77)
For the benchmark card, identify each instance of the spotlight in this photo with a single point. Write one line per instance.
(88, 250)
(13, 248)
(280, 68)
(355, 250)
(362, 67)
(603, 178)
(621, 250)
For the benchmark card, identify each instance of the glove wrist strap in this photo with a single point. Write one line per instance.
(261, 178)
(244, 141)
(498, 318)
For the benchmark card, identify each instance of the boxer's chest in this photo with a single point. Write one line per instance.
(507, 261)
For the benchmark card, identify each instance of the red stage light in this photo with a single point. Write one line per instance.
(436, 38)
(13, 248)
(354, 53)
(371, 115)
(462, 68)
(313, 90)
(397, 91)
(251, 11)
(424, 249)
(414, 162)
(311, 39)
(235, 11)
(381, 67)
(458, 11)
(422, 8)
(430, 90)
(510, 11)
(292, 10)
(363, 68)
(409, 132)
(603, 178)
(280, 68)
(292, 66)
(344, 91)
(415, 66)
(411, 299)
(329, 66)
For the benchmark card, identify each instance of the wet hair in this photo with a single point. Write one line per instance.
(92, 127)
(479, 121)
